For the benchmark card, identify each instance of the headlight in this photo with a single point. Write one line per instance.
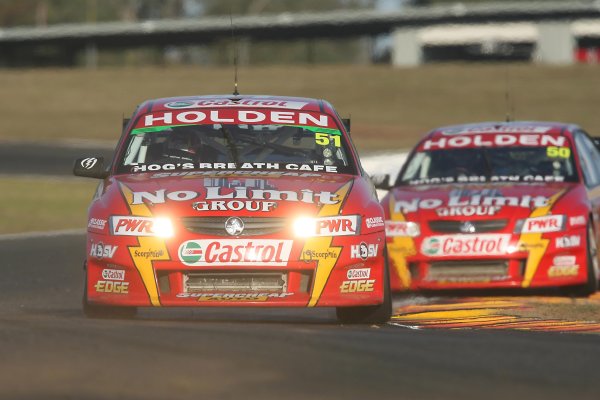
(339, 225)
(131, 225)
(304, 227)
(548, 223)
(402, 228)
(163, 227)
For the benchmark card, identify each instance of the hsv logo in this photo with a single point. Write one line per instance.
(233, 252)
(568, 241)
(132, 226)
(465, 245)
(550, 223)
(363, 250)
(100, 250)
(336, 226)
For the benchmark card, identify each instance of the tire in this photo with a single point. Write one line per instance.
(591, 285)
(379, 314)
(103, 311)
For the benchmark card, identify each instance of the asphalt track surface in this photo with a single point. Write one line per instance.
(49, 350)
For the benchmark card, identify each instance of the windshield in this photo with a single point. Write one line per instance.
(237, 146)
(490, 164)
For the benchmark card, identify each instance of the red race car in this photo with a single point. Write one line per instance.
(235, 201)
(496, 205)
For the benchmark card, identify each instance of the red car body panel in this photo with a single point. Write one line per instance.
(129, 265)
(529, 233)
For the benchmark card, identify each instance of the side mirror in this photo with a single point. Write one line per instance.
(381, 182)
(596, 142)
(90, 167)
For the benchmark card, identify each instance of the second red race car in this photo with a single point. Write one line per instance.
(496, 205)
(235, 201)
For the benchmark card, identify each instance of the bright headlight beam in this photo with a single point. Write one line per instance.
(163, 227)
(304, 227)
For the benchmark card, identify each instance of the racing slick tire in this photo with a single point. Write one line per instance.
(379, 314)
(103, 311)
(591, 285)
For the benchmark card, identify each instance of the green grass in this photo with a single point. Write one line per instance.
(32, 204)
(390, 108)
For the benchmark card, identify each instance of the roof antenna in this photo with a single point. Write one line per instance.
(235, 57)
(509, 103)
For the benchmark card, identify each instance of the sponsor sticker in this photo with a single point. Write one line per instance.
(345, 225)
(401, 228)
(493, 140)
(88, 163)
(374, 222)
(310, 254)
(234, 296)
(235, 252)
(559, 271)
(578, 220)
(465, 245)
(358, 273)
(132, 226)
(564, 242)
(253, 102)
(243, 166)
(100, 250)
(363, 250)
(113, 274)
(549, 223)
(234, 205)
(96, 223)
(112, 287)
(242, 193)
(564, 260)
(235, 116)
(357, 286)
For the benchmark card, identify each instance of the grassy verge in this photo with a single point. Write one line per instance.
(32, 204)
(390, 108)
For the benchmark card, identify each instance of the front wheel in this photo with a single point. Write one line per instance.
(378, 314)
(103, 311)
(591, 285)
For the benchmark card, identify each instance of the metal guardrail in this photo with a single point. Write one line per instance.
(292, 26)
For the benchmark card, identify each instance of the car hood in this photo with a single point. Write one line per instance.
(474, 201)
(183, 194)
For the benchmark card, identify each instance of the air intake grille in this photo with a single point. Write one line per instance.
(215, 226)
(246, 282)
(467, 271)
(480, 226)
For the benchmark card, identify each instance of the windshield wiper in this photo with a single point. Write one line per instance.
(230, 145)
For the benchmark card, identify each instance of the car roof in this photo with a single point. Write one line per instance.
(512, 127)
(250, 101)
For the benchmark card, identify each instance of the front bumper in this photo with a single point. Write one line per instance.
(149, 272)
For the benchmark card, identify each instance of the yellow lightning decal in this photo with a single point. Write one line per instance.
(322, 244)
(534, 242)
(147, 245)
(400, 247)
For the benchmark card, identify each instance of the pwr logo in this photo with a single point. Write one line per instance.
(336, 226)
(550, 223)
(132, 226)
